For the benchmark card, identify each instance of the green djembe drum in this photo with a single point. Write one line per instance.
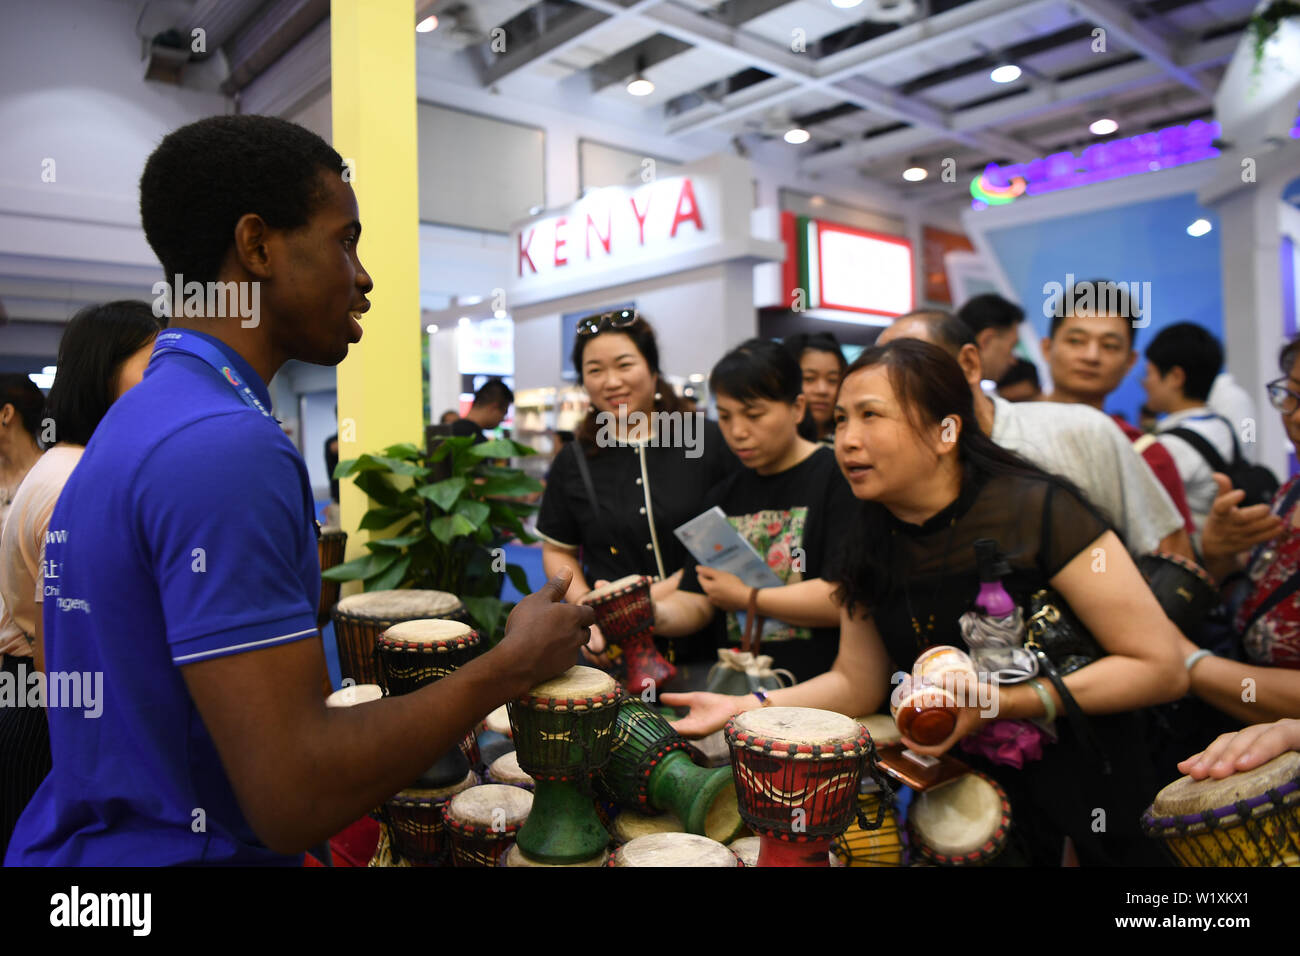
(562, 730)
(651, 769)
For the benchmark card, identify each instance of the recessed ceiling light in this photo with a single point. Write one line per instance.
(431, 329)
(1103, 126)
(1006, 73)
(1199, 228)
(470, 300)
(463, 320)
(499, 314)
(427, 25)
(914, 174)
(797, 135)
(845, 4)
(640, 86)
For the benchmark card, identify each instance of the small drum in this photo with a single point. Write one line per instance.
(359, 619)
(797, 775)
(961, 823)
(563, 731)
(1184, 589)
(747, 848)
(414, 819)
(498, 721)
(1251, 818)
(880, 847)
(383, 855)
(629, 825)
(517, 857)
(673, 849)
(506, 770)
(483, 822)
(330, 547)
(651, 769)
(626, 617)
(354, 694)
(415, 653)
(882, 729)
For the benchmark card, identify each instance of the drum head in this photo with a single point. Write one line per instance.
(431, 631)
(957, 818)
(577, 683)
(797, 725)
(883, 730)
(498, 721)
(354, 694)
(516, 857)
(491, 805)
(400, 605)
(506, 769)
(629, 825)
(673, 849)
(417, 792)
(1186, 796)
(605, 590)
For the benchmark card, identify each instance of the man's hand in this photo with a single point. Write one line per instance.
(543, 635)
(723, 588)
(1230, 529)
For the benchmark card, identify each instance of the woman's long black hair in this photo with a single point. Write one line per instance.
(929, 386)
(761, 369)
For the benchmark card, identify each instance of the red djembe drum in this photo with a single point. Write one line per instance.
(797, 772)
(626, 616)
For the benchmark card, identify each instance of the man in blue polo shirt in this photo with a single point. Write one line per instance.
(181, 560)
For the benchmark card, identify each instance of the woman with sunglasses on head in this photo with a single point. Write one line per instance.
(930, 485)
(638, 469)
(103, 354)
(1257, 550)
(822, 365)
(789, 502)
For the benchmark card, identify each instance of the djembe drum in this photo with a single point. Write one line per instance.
(563, 730)
(626, 617)
(516, 857)
(505, 769)
(747, 850)
(797, 774)
(886, 845)
(960, 823)
(673, 849)
(359, 619)
(483, 821)
(629, 824)
(651, 769)
(1251, 818)
(329, 547)
(414, 819)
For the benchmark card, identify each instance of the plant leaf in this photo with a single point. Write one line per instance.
(443, 493)
(447, 445)
(392, 577)
(518, 578)
(450, 526)
(404, 541)
(345, 468)
(404, 450)
(500, 448)
(399, 467)
(361, 567)
(517, 484)
(476, 511)
(487, 613)
(378, 518)
(374, 484)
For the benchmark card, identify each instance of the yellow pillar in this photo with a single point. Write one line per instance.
(372, 49)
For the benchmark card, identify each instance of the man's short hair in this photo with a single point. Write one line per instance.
(21, 392)
(494, 392)
(1107, 296)
(1190, 347)
(945, 329)
(1022, 370)
(203, 177)
(990, 311)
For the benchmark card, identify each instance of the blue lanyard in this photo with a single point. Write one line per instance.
(176, 340)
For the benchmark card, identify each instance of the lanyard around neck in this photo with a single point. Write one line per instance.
(177, 340)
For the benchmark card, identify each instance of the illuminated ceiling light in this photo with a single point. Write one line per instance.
(431, 329)
(1102, 126)
(640, 86)
(463, 320)
(914, 174)
(470, 300)
(1005, 73)
(1199, 228)
(427, 25)
(499, 314)
(845, 4)
(797, 136)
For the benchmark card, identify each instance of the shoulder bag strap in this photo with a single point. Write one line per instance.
(1204, 448)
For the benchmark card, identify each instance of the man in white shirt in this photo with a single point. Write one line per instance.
(1235, 404)
(1074, 441)
(1182, 363)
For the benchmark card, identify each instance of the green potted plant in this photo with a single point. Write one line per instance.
(449, 513)
(1264, 24)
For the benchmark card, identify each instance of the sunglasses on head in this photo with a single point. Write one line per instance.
(619, 319)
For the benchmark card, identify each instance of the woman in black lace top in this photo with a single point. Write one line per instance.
(930, 484)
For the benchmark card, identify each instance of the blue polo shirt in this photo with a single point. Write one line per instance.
(185, 533)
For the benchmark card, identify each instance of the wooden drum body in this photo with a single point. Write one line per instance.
(483, 822)
(359, 620)
(414, 819)
(626, 617)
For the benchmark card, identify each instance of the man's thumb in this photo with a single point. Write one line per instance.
(558, 585)
(1224, 483)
